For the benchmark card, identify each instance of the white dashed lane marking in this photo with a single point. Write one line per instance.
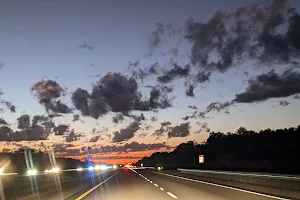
(172, 195)
(162, 189)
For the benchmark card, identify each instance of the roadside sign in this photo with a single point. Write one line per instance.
(201, 158)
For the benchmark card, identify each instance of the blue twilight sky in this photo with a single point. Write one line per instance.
(41, 38)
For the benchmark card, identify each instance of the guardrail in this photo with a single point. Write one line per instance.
(272, 180)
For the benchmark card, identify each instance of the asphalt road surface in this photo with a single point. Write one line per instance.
(127, 184)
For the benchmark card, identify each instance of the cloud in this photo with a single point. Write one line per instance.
(47, 93)
(126, 133)
(202, 77)
(164, 128)
(217, 106)
(61, 129)
(194, 115)
(130, 147)
(72, 136)
(160, 31)
(270, 85)
(252, 31)
(182, 130)
(190, 91)
(193, 107)
(175, 72)
(86, 46)
(76, 117)
(9, 105)
(118, 118)
(95, 138)
(297, 96)
(284, 103)
(28, 134)
(23, 121)
(3, 122)
(117, 93)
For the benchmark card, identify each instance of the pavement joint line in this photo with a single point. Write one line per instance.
(95, 187)
(172, 195)
(224, 186)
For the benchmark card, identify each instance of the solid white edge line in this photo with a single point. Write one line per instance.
(223, 186)
(95, 187)
(172, 195)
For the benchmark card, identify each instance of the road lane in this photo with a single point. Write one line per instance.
(62, 186)
(127, 185)
(193, 190)
(123, 184)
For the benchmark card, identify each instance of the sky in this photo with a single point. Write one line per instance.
(158, 67)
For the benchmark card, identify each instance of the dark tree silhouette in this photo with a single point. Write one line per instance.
(267, 151)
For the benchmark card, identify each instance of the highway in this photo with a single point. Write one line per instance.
(126, 184)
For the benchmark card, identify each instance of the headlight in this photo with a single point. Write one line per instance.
(97, 167)
(31, 172)
(91, 168)
(55, 170)
(79, 169)
(159, 168)
(114, 166)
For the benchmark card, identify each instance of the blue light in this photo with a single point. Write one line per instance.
(91, 168)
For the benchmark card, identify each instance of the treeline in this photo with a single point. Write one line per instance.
(266, 151)
(16, 162)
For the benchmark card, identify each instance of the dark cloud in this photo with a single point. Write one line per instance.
(95, 138)
(217, 106)
(248, 32)
(86, 46)
(118, 118)
(153, 118)
(161, 30)
(175, 72)
(204, 126)
(164, 128)
(3, 122)
(42, 120)
(193, 107)
(61, 129)
(23, 121)
(270, 85)
(58, 107)
(182, 130)
(284, 103)
(130, 147)
(137, 118)
(202, 77)
(9, 105)
(190, 91)
(117, 93)
(76, 117)
(72, 136)
(28, 134)
(194, 115)
(47, 93)
(126, 133)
